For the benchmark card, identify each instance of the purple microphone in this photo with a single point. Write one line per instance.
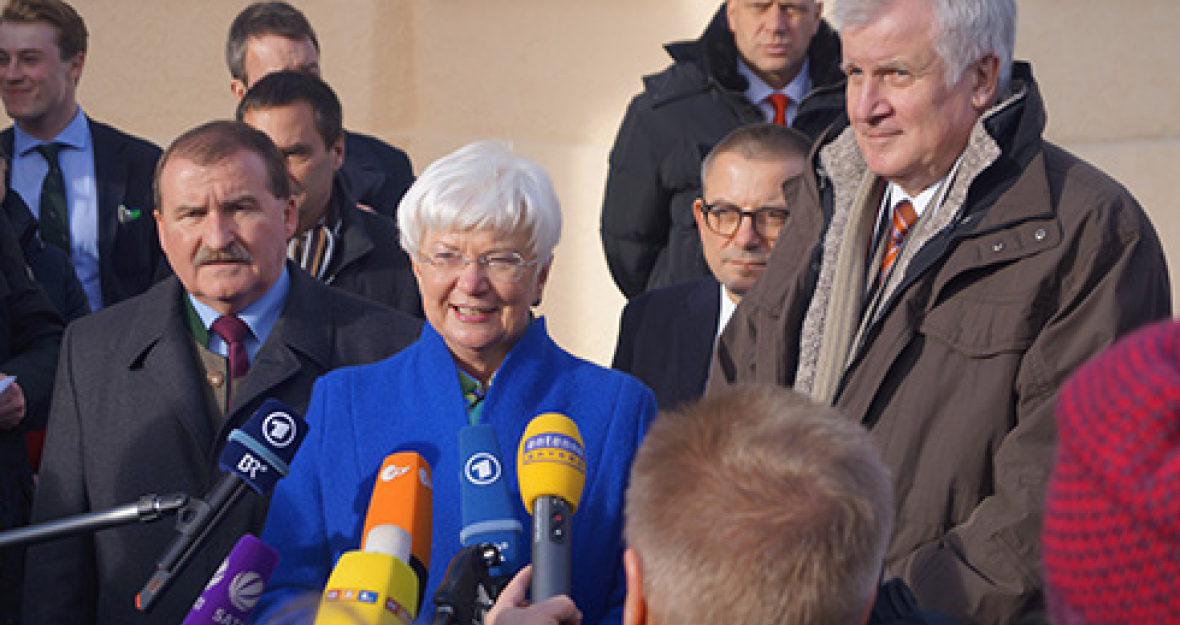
(235, 587)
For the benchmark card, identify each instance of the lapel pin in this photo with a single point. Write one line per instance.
(128, 215)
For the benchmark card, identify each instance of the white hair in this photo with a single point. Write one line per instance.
(968, 30)
(482, 186)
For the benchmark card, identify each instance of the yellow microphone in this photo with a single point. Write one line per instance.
(382, 583)
(551, 467)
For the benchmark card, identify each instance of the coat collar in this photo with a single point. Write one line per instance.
(355, 240)
(161, 346)
(715, 53)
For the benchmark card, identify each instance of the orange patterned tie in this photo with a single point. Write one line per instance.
(903, 219)
(779, 101)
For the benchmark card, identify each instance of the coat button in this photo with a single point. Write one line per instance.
(1040, 234)
(998, 247)
(216, 379)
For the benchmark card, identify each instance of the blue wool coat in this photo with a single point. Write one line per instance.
(412, 402)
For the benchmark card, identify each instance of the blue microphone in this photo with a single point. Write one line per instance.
(487, 508)
(256, 455)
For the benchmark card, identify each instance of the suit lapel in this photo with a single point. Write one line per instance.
(160, 347)
(110, 178)
(696, 331)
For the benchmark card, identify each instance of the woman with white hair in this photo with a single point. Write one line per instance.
(480, 226)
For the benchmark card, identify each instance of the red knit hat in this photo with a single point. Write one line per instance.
(1112, 519)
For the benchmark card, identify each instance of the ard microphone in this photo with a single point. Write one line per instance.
(255, 457)
(485, 503)
(551, 466)
(382, 583)
(235, 587)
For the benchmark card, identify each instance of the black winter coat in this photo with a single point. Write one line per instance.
(647, 227)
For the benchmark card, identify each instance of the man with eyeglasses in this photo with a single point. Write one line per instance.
(666, 335)
(758, 60)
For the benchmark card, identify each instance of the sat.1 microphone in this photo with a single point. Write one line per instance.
(551, 467)
(255, 457)
(485, 504)
(235, 587)
(383, 582)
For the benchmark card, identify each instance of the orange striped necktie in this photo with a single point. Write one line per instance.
(903, 219)
(779, 101)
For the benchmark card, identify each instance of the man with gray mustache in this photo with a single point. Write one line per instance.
(150, 388)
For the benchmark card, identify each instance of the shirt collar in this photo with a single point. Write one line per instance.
(261, 315)
(727, 309)
(75, 135)
(933, 195)
(759, 90)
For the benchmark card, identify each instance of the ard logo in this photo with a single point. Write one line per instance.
(482, 469)
(278, 428)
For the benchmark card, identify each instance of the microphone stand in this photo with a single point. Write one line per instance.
(467, 589)
(148, 508)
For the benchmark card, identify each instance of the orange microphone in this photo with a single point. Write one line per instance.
(383, 582)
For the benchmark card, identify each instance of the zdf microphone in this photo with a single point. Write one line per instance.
(382, 583)
(255, 457)
(551, 467)
(235, 587)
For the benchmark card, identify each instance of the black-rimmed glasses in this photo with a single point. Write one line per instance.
(726, 219)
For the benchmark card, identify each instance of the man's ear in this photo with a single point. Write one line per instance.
(337, 152)
(986, 75)
(237, 87)
(634, 607)
(697, 214)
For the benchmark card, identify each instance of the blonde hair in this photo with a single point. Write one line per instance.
(756, 506)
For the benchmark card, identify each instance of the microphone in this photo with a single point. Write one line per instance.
(255, 457)
(382, 583)
(551, 467)
(235, 587)
(485, 504)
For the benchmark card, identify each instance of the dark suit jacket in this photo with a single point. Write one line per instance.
(666, 339)
(375, 173)
(30, 333)
(370, 260)
(129, 417)
(129, 255)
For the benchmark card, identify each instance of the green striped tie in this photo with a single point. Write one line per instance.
(55, 221)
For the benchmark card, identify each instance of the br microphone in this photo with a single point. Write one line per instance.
(382, 583)
(485, 503)
(551, 467)
(235, 587)
(255, 457)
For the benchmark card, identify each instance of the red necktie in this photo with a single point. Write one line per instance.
(779, 101)
(234, 332)
(903, 219)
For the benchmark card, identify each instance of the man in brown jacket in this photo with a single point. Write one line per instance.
(944, 269)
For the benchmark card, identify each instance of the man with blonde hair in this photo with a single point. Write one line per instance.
(755, 506)
(752, 506)
(89, 185)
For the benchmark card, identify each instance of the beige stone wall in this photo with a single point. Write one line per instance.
(554, 78)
